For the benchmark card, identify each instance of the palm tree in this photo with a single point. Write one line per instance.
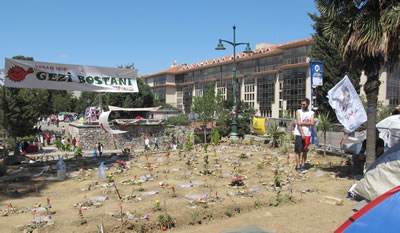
(324, 124)
(368, 32)
(275, 133)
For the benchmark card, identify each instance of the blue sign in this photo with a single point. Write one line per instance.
(316, 73)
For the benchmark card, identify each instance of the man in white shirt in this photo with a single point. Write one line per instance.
(147, 143)
(302, 132)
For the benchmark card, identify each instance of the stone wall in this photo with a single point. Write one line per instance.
(90, 135)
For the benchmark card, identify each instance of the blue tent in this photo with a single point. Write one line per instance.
(380, 215)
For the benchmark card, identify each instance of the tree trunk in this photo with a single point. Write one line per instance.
(324, 143)
(371, 89)
(205, 134)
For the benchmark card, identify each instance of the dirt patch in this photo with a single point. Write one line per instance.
(273, 195)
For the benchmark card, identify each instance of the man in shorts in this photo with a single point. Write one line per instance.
(302, 132)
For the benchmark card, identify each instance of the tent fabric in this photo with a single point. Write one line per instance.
(389, 129)
(380, 215)
(382, 176)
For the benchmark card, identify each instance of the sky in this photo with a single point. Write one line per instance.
(151, 34)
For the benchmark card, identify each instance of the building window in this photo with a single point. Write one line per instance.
(294, 88)
(160, 94)
(269, 63)
(160, 80)
(393, 86)
(266, 94)
(295, 55)
(187, 98)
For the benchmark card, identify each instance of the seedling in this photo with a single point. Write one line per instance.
(173, 192)
(157, 206)
(110, 178)
(140, 186)
(193, 218)
(257, 204)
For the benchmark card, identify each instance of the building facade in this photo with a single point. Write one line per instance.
(273, 80)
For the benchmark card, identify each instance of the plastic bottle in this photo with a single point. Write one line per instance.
(61, 169)
(102, 171)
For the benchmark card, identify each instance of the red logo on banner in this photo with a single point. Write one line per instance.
(17, 74)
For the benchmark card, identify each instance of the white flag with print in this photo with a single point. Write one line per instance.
(348, 107)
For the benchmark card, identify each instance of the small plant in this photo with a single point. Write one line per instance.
(228, 212)
(173, 191)
(189, 143)
(78, 152)
(275, 134)
(82, 219)
(110, 178)
(257, 204)
(157, 206)
(282, 199)
(251, 141)
(215, 138)
(193, 218)
(165, 222)
(277, 177)
(121, 164)
(235, 209)
(58, 144)
(285, 143)
(140, 186)
(205, 146)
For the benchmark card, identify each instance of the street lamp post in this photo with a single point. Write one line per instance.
(220, 46)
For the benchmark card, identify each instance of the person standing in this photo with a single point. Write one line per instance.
(48, 139)
(62, 131)
(74, 144)
(302, 132)
(146, 143)
(155, 143)
(95, 152)
(101, 149)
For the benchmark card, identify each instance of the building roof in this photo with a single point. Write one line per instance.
(262, 52)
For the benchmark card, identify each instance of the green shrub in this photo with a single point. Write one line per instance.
(215, 137)
(179, 120)
(58, 144)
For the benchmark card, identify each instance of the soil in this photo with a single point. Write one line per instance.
(297, 211)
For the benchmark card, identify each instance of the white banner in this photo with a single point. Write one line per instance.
(348, 107)
(103, 121)
(30, 74)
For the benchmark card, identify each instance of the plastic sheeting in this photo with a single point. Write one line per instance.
(382, 176)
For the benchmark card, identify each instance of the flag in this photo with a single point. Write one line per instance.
(348, 107)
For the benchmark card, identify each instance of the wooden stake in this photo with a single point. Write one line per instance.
(116, 189)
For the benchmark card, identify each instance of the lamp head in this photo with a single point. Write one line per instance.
(248, 49)
(220, 46)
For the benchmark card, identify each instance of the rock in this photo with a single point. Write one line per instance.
(332, 200)
(5, 213)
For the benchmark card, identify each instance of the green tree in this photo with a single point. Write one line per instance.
(368, 33)
(324, 123)
(205, 106)
(334, 67)
(22, 107)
